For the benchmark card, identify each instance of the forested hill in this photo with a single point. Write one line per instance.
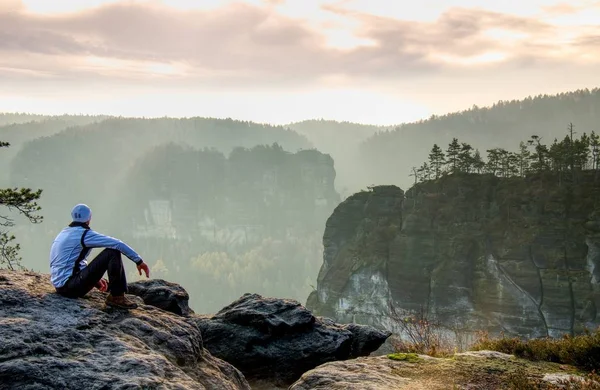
(23, 128)
(388, 156)
(15, 118)
(327, 133)
(10, 118)
(89, 160)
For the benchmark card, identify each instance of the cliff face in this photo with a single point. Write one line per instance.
(476, 252)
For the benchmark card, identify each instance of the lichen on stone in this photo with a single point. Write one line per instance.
(405, 357)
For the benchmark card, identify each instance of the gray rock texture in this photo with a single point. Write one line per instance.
(51, 342)
(162, 294)
(475, 370)
(279, 340)
(474, 252)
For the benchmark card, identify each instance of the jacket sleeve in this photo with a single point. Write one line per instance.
(96, 240)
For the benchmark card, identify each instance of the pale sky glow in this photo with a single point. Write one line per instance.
(278, 61)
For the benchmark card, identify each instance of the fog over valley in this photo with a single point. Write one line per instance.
(215, 203)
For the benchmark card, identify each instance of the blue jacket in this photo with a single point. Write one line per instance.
(66, 249)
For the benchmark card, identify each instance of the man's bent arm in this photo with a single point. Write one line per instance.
(96, 240)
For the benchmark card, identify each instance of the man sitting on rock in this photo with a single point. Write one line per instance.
(73, 277)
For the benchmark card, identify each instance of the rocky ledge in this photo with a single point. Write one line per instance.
(469, 370)
(279, 340)
(50, 342)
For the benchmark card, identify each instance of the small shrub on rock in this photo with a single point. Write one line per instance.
(420, 335)
(582, 351)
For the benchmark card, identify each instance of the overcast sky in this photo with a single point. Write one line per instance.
(278, 61)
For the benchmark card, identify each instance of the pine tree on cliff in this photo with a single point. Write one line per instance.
(22, 201)
(595, 145)
(437, 159)
(507, 162)
(424, 172)
(571, 147)
(415, 173)
(523, 159)
(452, 154)
(582, 152)
(511, 164)
(558, 154)
(478, 163)
(465, 158)
(540, 156)
(494, 163)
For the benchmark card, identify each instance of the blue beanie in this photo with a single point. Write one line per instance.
(81, 213)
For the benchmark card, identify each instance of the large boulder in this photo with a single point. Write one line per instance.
(279, 339)
(51, 342)
(162, 294)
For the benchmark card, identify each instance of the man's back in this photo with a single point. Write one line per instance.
(65, 250)
(73, 277)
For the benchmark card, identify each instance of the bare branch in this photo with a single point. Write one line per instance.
(9, 253)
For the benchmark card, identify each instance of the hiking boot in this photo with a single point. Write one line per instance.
(120, 301)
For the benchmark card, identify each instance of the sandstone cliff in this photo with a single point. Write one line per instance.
(476, 252)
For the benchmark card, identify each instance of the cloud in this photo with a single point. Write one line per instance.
(241, 44)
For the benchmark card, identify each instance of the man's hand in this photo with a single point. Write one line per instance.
(142, 266)
(102, 285)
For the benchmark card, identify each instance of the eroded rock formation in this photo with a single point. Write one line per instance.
(51, 342)
(162, 294)
(475, 252)
(279, 340)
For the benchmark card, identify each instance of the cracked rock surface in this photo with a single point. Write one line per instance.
(279, 339)
(51, 342)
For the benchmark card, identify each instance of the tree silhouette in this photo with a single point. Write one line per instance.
(494, 161)
(478, 163)
(424, 172)
(595, 145)
(452, 154)
(465, 157)
(415, 172)
(541, 153)
(22, 201)
(437, 160)
(523, 159)
(581, 152)
(569, 155)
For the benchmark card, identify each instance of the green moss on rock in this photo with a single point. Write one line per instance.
(406, 357)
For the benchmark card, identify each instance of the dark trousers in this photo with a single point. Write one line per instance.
(109, 260)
